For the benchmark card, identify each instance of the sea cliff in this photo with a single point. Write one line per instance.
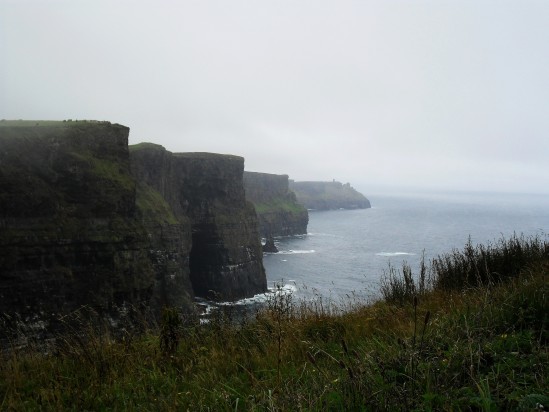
(83, 223)
(277, 208)
(328, 195)
(206, 189)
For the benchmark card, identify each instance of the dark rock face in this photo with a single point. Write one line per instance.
(225, 258)
(276, 206)
(82, 226)
(169, 245)
(68, 233)
(328, 195)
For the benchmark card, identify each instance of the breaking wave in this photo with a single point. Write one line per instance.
(295, 252)
(208, 307)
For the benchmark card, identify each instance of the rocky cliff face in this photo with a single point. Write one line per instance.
(68, 233)
(80, 225)
(328, 195)
(169, 244)
(225, 258)
(276, 206)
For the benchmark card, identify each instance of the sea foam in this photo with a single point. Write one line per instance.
(295, 252)
(261, 298)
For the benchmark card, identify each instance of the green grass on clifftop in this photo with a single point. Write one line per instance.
(277, 205)
(475, 346)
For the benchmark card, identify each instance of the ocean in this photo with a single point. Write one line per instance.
(346, 252)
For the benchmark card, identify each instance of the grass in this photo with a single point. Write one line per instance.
(278, 205)
(152, 204)
(478, 345)
(107, 170)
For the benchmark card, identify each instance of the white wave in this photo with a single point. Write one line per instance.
(284, 289)
(259, 298)
(395, 254)
(318, 234)
(323, 234)
(206, 305)
(295, 252)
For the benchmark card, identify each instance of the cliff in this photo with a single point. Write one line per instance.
(225, 259)
(69, 236)
(82, 226)
(328, 195)
(276, 206)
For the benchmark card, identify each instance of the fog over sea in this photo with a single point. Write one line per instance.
(345, 252)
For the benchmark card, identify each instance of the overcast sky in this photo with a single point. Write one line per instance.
(450, 95)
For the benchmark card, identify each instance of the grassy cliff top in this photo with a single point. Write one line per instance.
(49, 123)
(145, 146)
(186, 155)
(208, 156)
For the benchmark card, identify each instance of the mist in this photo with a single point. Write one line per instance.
(387, 95)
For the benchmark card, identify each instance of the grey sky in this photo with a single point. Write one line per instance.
(431, 94)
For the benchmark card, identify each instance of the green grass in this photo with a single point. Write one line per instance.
(278, 205)
(482, 346)
(152, 204)
(107, 170)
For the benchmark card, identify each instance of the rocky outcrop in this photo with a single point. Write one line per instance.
(82, 226)
(328, 195)
(277, 209)
(225, 259)
(269, 246)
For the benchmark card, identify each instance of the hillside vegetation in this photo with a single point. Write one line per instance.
(468, 331)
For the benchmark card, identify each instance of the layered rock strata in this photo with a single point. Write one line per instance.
(277, 209)
(225, 259)
(81, 226)
(69, 235)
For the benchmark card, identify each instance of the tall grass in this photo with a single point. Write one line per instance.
(474, 266)
(478, 346)
(488, 264)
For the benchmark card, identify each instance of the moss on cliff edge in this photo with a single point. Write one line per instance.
(151, 205)
(278, 205)
(106, 170)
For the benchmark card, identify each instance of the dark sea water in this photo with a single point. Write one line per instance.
(346, 251)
